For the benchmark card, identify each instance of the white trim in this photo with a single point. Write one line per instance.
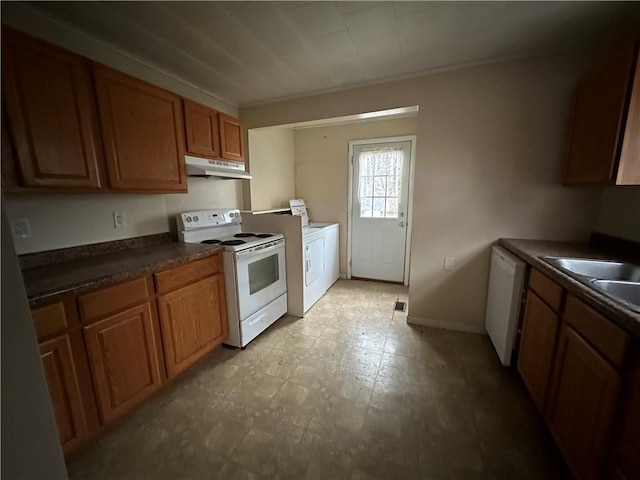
(407, 246)
(459, 327)
(349, 207)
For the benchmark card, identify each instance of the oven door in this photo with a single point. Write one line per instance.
(261, 277)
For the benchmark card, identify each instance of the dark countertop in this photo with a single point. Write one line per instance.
(42, 283)
(531, 251)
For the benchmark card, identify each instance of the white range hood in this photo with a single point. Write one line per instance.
(204, 167)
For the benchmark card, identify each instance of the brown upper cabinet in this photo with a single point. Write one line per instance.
(51, 111)
(604, 146)
(77, 126)
(212, 134)
(143, 133)
(231, 138)
(203, 133)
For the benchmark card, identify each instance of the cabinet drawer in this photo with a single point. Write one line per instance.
(604, 336)
(112, 299)
(185, 274)
(50, 320)
(546, 289)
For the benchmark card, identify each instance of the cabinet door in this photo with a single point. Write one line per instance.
(64, 390)
(49, 100)
(143, 133)
(629, 166)
(582, 404)
(231, 138)
(193, 321)
(203, 134)
(597, 121)
(123, 360)
(537, 346)
(627, 449)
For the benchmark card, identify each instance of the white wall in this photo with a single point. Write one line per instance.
(272, 167)
(488, 163)
(620, 212)
(322, 168)
(59, 221)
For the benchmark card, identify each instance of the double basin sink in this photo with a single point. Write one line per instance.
(619, 281)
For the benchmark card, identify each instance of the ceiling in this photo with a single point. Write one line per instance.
(250, 52)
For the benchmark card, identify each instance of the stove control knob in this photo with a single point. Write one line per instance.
(195, 218)
(232, 214)
(188, 219)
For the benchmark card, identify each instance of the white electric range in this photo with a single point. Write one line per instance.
(254, 270)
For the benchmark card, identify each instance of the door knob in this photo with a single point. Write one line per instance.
(402, 224)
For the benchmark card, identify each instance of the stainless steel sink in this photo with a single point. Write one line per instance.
(627, 293)
(599, 269)
(619, 281)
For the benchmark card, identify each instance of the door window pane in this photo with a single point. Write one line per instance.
(380, 181)
(378, 207)
(262, 273)
(366, 204)
(366, 187)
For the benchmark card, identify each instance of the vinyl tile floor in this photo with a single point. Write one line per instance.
(350, 391)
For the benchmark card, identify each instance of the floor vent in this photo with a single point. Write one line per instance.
(400, 306)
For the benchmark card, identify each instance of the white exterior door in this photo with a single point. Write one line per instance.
(380, 193)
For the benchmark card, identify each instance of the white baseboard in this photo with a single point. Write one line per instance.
(460, 327)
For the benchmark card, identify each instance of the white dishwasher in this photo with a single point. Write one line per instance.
(503, 301)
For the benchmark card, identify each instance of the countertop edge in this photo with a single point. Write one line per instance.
(44, 297)
(621, 316)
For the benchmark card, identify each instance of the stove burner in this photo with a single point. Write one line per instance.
(212, 241)
(232, 242)
(244, 235)
(264, 235)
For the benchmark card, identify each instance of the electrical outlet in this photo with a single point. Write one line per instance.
(119, 220)
(448, 264)
(22, 228)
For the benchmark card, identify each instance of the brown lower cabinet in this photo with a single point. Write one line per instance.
(582, 405)
(573, 361)
(64, 390)
(539, 333)
(123, 360)
(193, 320)
(626, 453)
(104, 352)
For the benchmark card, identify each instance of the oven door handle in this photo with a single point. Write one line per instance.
(259, 319)
(254, 253)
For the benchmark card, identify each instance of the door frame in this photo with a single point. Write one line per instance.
(409, 220)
